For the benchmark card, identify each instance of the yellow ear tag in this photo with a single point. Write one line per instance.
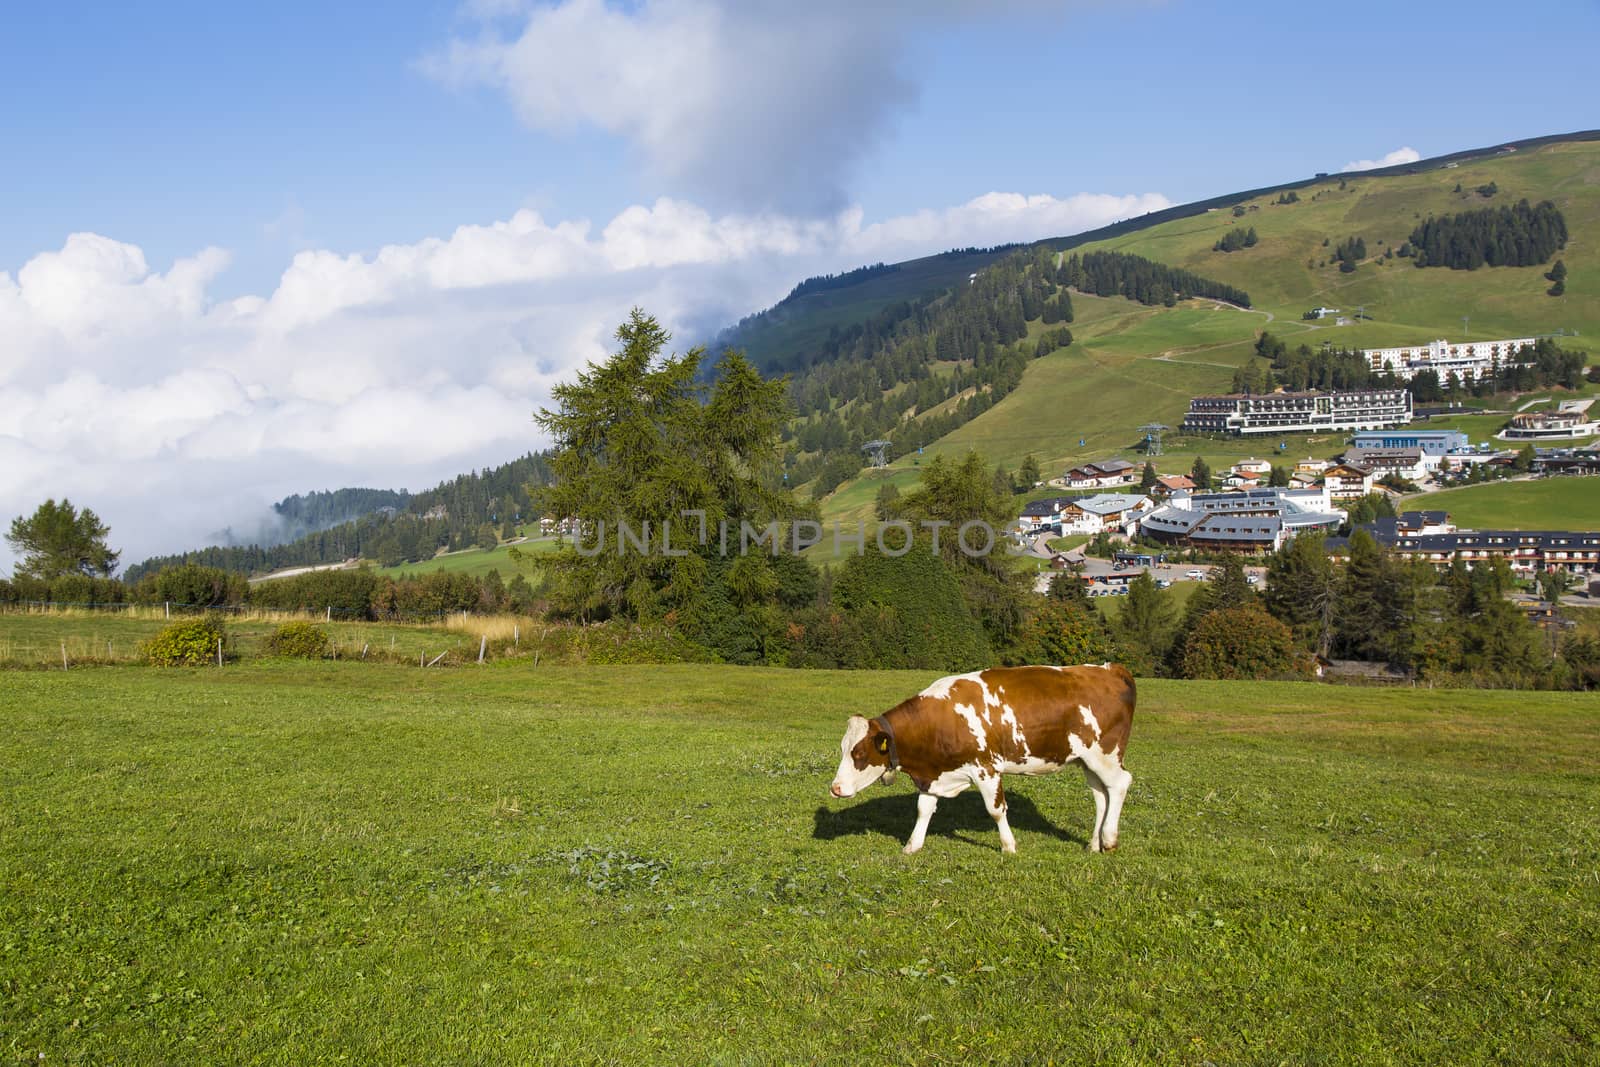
(883, 743)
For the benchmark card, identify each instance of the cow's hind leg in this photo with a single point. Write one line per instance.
(1098, 788)
(994, 798)
(1108, 768)
(926, 803)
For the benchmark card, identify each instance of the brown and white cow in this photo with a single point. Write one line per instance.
(969, 729)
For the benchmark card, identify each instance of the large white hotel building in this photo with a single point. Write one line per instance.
(1358, 409)
(1468, 360)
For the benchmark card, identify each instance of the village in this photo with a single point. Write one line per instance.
(1256, 506)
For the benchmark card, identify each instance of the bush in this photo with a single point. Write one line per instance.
(1063, 632)
(1242, 642)
(192, 585)
(298, 640)
(912, 611)
(190, 643)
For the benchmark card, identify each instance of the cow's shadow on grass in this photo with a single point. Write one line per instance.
(962, 818)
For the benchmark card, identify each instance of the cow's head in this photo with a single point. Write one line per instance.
(864, 757)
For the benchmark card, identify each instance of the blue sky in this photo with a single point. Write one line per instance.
(299, 225)
(260, 127)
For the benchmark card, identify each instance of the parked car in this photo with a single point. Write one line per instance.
(1162, 583)
(1252, 578)
(1195, 575)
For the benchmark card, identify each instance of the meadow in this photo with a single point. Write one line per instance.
(478, 562)
(303, 863)
(1562, 503)
(39, 638)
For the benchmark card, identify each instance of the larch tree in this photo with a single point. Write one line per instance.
(636, 442)
(58, 540)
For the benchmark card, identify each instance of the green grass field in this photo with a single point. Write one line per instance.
(312, 863)
(477, 561)
(1566, 503)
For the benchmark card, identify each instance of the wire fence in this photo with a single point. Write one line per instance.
(169, 609)
(62, 634)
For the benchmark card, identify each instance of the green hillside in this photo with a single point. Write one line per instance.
(1407, 304)
(1131, 364)
(477, 561)
(788, 333)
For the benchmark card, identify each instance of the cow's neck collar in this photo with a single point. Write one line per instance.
(893, 753)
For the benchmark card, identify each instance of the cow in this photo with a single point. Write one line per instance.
(969, 729)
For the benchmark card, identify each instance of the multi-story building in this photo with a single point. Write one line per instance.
(1436, 442)
(1343, 481)
(1467, 360)
(1282, 412)
(1527, 551)
(1250, 521)
(1107, 472)
(1412, 464)
(1549, 426)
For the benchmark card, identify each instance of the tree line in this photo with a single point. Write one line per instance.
(475, 509)
(305, 513)
(1453, 627)
(1143, 280)
(963, 350)
(1516, 236)
(823, 282)
(357, 594)
(1235, 239)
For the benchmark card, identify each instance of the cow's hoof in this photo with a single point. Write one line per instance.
(1094, 846)
(911, 850)
(1110, 846)
(1010, 850)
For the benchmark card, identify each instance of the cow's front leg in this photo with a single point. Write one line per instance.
(994, 798)
(926, 802)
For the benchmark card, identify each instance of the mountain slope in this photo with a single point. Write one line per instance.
(794, 332)
(1133, 365)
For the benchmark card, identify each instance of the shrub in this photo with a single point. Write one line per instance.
(190, 643)
(298, 640)
(912, 611)
(1242, 642)
(1062, 632)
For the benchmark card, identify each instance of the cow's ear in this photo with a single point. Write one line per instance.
(883, 743)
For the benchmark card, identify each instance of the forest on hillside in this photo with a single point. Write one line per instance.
(921, 370)
(475, 509)
(1517, 236)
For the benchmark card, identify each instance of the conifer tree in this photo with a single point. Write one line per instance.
(1144, 630)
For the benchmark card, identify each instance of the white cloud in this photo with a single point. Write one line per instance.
(756, 103)
(131, 390)
(1393, 159)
